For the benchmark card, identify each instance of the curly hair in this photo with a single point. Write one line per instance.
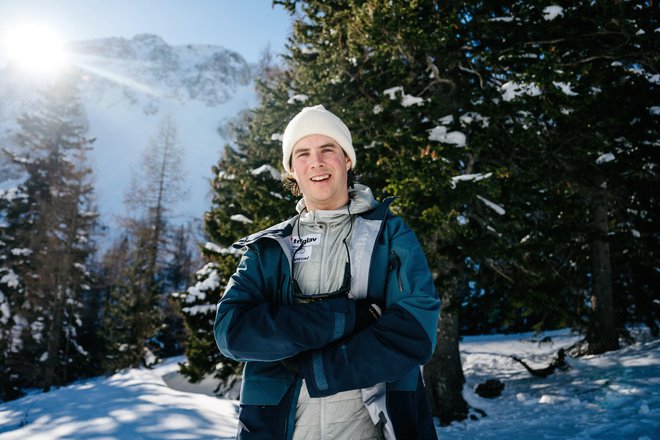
(290, 183)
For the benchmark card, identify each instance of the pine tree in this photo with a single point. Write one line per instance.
(197, 305)
(15, 260)
(132, 313)
(579, 75)
(178, 275)
(50, 230)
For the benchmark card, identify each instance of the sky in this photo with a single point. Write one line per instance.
(246, 26)
(611, 396)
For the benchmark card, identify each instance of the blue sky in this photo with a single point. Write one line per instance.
(246, 26)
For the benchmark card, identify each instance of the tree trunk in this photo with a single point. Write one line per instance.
(444, 373)
(54, 333)
(602, 333)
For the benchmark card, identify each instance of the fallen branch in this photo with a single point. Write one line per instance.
(557, 362)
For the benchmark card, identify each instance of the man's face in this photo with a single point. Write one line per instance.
(320, 167)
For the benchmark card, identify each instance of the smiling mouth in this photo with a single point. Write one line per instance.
(320, 178)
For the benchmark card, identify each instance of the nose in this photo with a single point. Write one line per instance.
(316, 160)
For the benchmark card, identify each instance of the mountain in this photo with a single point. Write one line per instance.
(147, 70)
(127, 86)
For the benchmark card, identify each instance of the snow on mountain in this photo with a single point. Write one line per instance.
(127, 86)
(611, 396)
(148, 71)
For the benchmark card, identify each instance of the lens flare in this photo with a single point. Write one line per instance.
(35, 48)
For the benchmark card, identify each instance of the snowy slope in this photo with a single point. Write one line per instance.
(127, 87)
(135, 404)
(614, 396)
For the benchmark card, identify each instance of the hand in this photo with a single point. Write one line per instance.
(366, 313)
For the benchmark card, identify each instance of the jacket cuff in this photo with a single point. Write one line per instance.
(344, 315)
(312, 369)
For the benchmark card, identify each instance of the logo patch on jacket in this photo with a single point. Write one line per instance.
(308, 242)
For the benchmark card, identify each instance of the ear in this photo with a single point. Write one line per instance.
(348, 163)
(292, 174)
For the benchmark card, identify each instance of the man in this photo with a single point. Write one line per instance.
(333, 310)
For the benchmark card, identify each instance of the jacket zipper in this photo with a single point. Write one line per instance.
(397, 261)
(292, 407)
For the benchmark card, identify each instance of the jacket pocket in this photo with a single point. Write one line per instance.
(264, 383)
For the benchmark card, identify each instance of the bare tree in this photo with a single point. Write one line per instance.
(157, 186)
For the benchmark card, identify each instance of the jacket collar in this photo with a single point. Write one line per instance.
(278, 231)
(284, 229)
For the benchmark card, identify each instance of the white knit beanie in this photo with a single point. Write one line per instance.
(316, 120)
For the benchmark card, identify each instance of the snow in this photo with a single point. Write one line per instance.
(5, 313)
(297, 98)
(10, 279)
(132, 404)
(267, 169)
(503, 19)
(564, 87)
(224, 176)
(467, 177)
(552, 12)
(201, 309)
(21, 252)
(470, 117)
(240, 218)
(511, 90)
(198, 291)
(392, 91)
(440, 134)
(604, 158)
(409, 100)
(406, 100)
(597, 397)
(494, 206)
(11, 194)
(615, 395)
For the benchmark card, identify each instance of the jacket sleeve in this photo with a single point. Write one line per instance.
(249, 326)
(399, 341)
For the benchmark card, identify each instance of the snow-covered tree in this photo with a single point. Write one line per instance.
(47, 242)
(580, 82)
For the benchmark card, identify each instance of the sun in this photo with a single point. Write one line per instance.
(35, 48)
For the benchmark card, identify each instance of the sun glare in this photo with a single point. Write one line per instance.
(35, 48)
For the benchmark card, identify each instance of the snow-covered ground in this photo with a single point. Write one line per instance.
(614, 396)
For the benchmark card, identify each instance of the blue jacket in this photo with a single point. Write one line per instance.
(258, 322)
